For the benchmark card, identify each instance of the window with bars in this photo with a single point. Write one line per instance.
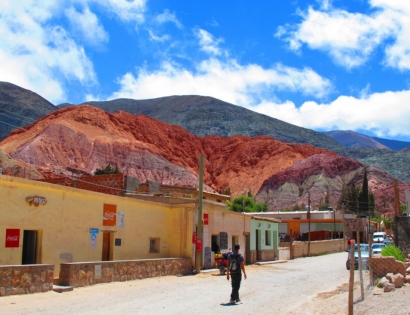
(154, 245)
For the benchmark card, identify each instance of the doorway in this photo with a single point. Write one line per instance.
(107, 249)
(258, 252)
(30, 247)
(248, 249)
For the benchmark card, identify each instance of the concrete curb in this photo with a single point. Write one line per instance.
(270, 262)
(61, 289)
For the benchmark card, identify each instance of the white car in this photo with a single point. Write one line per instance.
(377, 248)
(378, 237)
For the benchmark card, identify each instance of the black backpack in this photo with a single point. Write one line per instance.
(234, 263)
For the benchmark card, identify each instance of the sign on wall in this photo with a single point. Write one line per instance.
(110, 215)
(223, 240)
(12, 238)
(193, 237)
(93, 237)
(36, 201)
(205, 218)
(120, 219)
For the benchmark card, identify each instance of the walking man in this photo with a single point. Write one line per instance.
(236, 266)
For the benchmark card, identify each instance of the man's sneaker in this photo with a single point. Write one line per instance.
(232, 301)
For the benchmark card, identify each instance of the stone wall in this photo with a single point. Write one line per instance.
(24, 279)
(113, 184)
(90, 273)
(300, 249)
(267, 255)
(380, 266)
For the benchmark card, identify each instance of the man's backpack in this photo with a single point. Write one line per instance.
(234, 265)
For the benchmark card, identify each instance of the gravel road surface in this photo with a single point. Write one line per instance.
(313, 285)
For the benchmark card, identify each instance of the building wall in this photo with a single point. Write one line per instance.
(112, 184)
(300, 249)
(222, 220)
(267, 251)
(64, 224)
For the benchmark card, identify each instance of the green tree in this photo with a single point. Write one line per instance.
(246, 204)
(107, 170)
(364, 197)
(403, 209)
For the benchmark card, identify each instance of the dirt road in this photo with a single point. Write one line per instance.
(301, 286)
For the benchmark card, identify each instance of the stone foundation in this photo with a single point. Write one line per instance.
(380, 266)
(25, 279)
(89, 273)
(267, 255)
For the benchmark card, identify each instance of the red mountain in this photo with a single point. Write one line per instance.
(79, 139)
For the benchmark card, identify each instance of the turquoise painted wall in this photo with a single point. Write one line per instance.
(263, 226)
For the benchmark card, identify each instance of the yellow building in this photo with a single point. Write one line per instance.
(52, 224)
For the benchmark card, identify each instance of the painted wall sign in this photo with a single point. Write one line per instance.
(120, 219)
(193, 237)
(36, 201)
(93, 240)
(12, 237)
(94, 230)
(109, 215)
(205, 218)
(97, 271)
(117, 242)
(198, 245)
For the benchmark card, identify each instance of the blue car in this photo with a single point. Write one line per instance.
(364, 253)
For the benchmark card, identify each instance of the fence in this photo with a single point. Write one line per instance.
(368, 271)
(402, 233)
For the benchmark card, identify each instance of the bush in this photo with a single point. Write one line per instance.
(391, 250)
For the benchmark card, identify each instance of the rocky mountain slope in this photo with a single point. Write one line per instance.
(77, 140)
(321, 174)
(351, 139)
(208, 116)
(20, 107)
(203, 116)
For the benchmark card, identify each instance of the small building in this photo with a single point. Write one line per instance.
(264, 238)
(43, 223)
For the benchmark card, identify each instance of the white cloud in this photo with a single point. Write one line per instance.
(208, 43)
(168, 16)
(86, 23)
(157, 38)
(385, 114)
(126, 10)
(228, 81)
(351, 38)
(38, 54)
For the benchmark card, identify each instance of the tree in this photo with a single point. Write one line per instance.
(107, 170)
(364, 197)
(246, 204)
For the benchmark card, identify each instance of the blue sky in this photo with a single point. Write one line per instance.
(318, 64)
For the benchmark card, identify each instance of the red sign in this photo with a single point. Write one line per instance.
(12, 237)
(205, 218)
(198, 245)
(109, 215)
(193, 237)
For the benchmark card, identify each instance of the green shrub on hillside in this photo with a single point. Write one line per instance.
(391, 250)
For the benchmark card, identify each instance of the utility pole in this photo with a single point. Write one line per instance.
(309, 223)
(198, 250)
(344, 229)
(334, 223)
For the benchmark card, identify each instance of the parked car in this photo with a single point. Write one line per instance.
(377, 248)
(364, 253)
(388, 240)
(378, 237)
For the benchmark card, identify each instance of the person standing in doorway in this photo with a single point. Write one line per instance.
(236, 265)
